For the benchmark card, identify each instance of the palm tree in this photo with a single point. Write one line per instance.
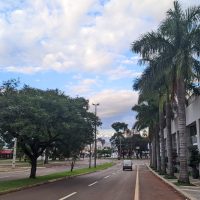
(147, 116)
(149, 83)
(177, 42)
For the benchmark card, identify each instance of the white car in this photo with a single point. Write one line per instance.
(127, 164)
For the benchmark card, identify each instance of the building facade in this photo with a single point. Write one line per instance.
(192, 125)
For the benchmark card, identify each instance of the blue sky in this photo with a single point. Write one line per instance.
(80, 47)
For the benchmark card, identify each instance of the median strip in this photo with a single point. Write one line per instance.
(63, 198)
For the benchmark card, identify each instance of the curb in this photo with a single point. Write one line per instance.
(172, 185)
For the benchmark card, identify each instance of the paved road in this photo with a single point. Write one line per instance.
(24, 173)
(110, 184)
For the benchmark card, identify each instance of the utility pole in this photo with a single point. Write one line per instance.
(95, 135)
(90, 156)
(14, 152)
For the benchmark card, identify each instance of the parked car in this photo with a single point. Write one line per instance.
(127, 164)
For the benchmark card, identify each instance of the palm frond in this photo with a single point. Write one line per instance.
(150, 44)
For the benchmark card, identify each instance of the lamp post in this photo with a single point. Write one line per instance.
(14, 152)
(95, 135)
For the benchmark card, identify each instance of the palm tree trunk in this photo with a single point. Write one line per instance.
(158, 151)
(150, 154)
(154, 155)
(169, 138)
(162, 143)
(183, 176)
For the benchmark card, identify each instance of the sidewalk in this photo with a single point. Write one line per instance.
(190, 192)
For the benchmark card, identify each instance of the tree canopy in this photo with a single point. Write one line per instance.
(43, 118)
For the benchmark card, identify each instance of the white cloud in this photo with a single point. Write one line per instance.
(84, 86)
(130, 61)
(122, 72)
(24, 70)
(114, 102)
(105, 132)
(60, 35)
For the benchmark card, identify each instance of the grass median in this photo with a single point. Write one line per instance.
(23, 183)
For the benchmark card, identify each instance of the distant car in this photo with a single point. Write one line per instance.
(127, 164)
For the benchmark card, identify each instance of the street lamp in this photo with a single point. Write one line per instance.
(95, 135)
(14, 152)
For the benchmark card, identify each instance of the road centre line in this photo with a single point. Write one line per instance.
(136, 197)
(106, 176)
(93, 183)
(68, 196)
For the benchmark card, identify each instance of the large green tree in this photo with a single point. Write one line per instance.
(43, 118)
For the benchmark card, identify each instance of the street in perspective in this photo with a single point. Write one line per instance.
(100, 100)
(112, 183)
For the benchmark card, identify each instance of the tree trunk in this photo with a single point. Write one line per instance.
(150, 154)
(72, 165)
(158, 151)
(46, 160)
(90, 156)
(183, 176)
(33, 167)
(169, 138)
(162, 142)
(154, 155)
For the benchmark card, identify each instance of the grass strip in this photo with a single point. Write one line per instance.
(22, 183)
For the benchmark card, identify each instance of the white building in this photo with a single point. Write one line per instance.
(192, 124)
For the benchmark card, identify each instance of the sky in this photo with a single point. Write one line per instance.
(82, 47)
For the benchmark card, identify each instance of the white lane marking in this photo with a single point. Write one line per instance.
(68, 196)
(136, 197)
(106, 176)
(113, 173)
(93, 183)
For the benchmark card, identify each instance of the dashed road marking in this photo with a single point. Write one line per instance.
(68, 196)
(93, 183)
(106, 176)
(113, 173)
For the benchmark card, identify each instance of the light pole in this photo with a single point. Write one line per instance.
(95, 135)
(14, 152)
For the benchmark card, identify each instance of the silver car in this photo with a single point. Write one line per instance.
(127, 164)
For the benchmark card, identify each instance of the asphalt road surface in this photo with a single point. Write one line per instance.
(110, 184)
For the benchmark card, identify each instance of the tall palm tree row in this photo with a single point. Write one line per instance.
(148, 116)
(171, 52)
